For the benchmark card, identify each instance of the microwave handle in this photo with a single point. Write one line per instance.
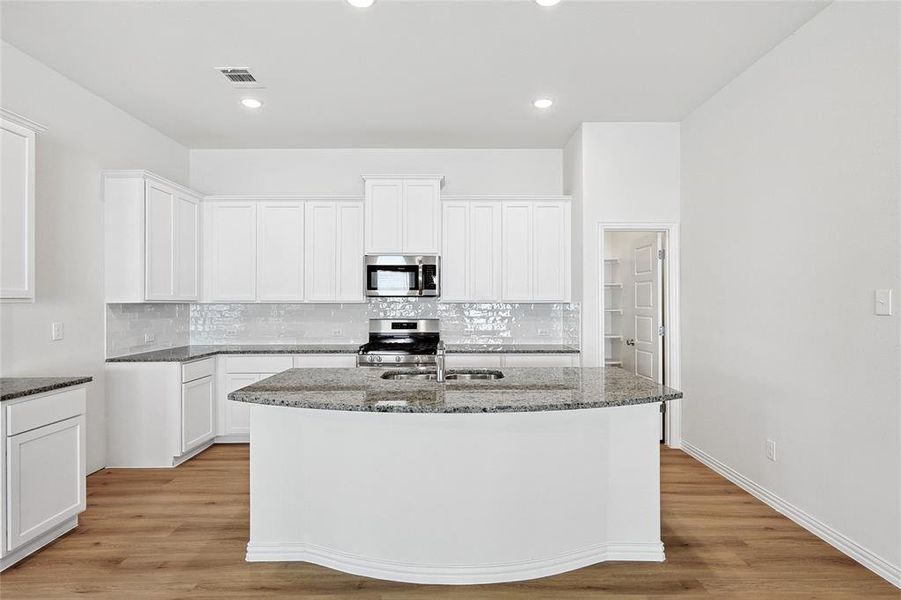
(421, 278)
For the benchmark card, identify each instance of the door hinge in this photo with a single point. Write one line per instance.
(661, 254)
(661, 330)
(663, 407)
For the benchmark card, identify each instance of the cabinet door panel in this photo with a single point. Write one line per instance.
(550, 249)
(484, 251)
(187, 250)
(421, 206)
(237, 414)
(321, 250)
(455, 264)
(232, 250)
(384, 216)
(159, 242)
(45, 473)
(539, 360)
(280, 234)
(350, 272)
(517, 251)
(16, 212)
(197, 413)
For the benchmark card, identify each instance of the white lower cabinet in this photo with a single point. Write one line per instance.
(236, 415)
(43, 487)
(198, 410)
(159, 414)
(241, 371)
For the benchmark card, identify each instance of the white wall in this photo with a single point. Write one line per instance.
(790, 220)
(338, 171)
(630, 173)
(85, 135)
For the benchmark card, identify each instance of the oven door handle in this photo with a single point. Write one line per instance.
(421, 278)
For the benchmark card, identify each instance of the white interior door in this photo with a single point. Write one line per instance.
(643, 279)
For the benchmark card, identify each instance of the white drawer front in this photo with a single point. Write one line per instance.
(539, 360)
(197, 369)
(37, 412)
(258, 364)
(474, 361)
(333, 361)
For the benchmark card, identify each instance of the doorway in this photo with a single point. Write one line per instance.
(639, 321)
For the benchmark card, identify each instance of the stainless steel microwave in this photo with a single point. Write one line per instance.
(394, 275)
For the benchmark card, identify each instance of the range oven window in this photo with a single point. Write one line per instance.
(392, 279)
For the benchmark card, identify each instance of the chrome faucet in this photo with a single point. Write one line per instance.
(439, 362)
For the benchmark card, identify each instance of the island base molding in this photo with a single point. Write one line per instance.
(453, 575)
(454, 498)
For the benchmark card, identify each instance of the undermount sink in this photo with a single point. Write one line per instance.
(455, 375)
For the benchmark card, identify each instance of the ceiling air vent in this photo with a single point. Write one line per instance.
(239, 77)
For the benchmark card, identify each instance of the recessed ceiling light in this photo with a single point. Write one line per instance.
(251, 103)
(547, 2)
(542, 103)
(366, 3)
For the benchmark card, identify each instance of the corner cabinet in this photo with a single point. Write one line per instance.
(402, 214)
(17, 135)
(151, 239)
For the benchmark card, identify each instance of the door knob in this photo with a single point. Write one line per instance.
(630, 342)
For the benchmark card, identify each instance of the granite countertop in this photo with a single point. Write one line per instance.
(188, 353)
(520, 390)
(16, 387)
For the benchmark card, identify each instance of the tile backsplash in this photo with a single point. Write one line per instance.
(129, 325)
(180, 324)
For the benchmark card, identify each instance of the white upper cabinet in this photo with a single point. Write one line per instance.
(536, 251)
(402, 214)
(321, 244)
(280, 251)
(550, 241)
(349, 286)
(422, 211)
(152, 239)
(471, 251)
(334, 251)
(230, 251)
(159, 240)
(17, 137)
(455, 251)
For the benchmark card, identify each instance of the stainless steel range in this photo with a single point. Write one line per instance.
(400, 342)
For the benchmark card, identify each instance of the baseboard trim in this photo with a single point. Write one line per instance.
(38, 543)
(456, 574)
(873, 562)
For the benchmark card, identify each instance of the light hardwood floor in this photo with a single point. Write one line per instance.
(181, 533)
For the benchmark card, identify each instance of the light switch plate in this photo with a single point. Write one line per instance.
(56, 331)
(884, 306)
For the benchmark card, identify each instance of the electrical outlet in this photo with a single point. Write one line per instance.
(56, 331)
(771, 450)
(149, 337)
(337, 333)
(544, 333)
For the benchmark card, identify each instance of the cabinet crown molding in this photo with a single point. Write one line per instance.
(24, 121)
(440, 178)
(142, 174)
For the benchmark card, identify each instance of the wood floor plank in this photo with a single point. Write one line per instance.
(179, 533)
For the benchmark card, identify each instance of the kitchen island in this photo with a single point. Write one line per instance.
(541, 471)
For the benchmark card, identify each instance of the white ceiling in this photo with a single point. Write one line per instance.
(400, 74)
